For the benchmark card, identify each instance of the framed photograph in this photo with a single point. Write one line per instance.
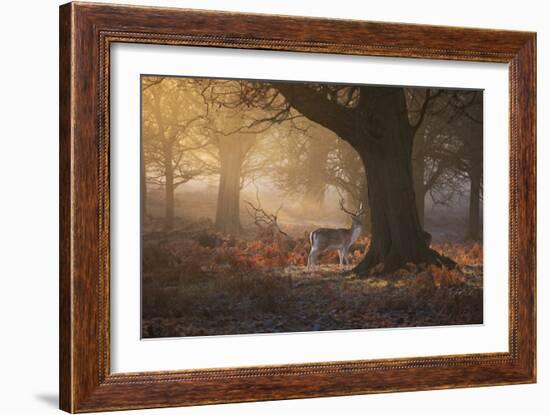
(260, 207)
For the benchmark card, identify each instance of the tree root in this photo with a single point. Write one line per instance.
(391, 263)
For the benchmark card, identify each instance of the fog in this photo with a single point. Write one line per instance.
(208, 154)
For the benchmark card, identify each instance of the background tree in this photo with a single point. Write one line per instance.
(312, 161)
(468, 107)
(172, 111)
(146, 83)
(448, 150)
(231, 130)
(233, 150)
(315, 166)
(346, 173)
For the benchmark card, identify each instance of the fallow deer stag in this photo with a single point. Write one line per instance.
(340, 239)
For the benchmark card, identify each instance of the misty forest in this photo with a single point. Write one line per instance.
(272, 206)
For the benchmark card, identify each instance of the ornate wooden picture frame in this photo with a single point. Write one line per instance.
(87, 32)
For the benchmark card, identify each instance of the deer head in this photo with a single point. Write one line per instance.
(355, 217)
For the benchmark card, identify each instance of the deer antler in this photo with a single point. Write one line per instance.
(344, 209)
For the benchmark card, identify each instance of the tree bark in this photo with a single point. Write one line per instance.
(379, 130)
(397, 235)
(364, 201)
(232, 151)
(474, 214)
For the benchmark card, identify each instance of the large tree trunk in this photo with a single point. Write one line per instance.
(364, 202)
(397, 235)
(379, 130)
(168, 190)
(474, 214)
(228, 208)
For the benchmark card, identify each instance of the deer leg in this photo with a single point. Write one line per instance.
(345, 255)
(311, 259)
(341, 256)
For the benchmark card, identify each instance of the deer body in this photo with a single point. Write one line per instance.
(323, 239)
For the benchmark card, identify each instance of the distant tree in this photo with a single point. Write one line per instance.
(300, 165)
(346, 173)
(425, 107)
(448, 150)
(146, 83)
(233, 151)
(468, 108)
(234, 139)
(172, 112)
(313, 171)
(312, 160)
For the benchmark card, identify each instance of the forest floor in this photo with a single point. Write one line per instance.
(197, 282)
